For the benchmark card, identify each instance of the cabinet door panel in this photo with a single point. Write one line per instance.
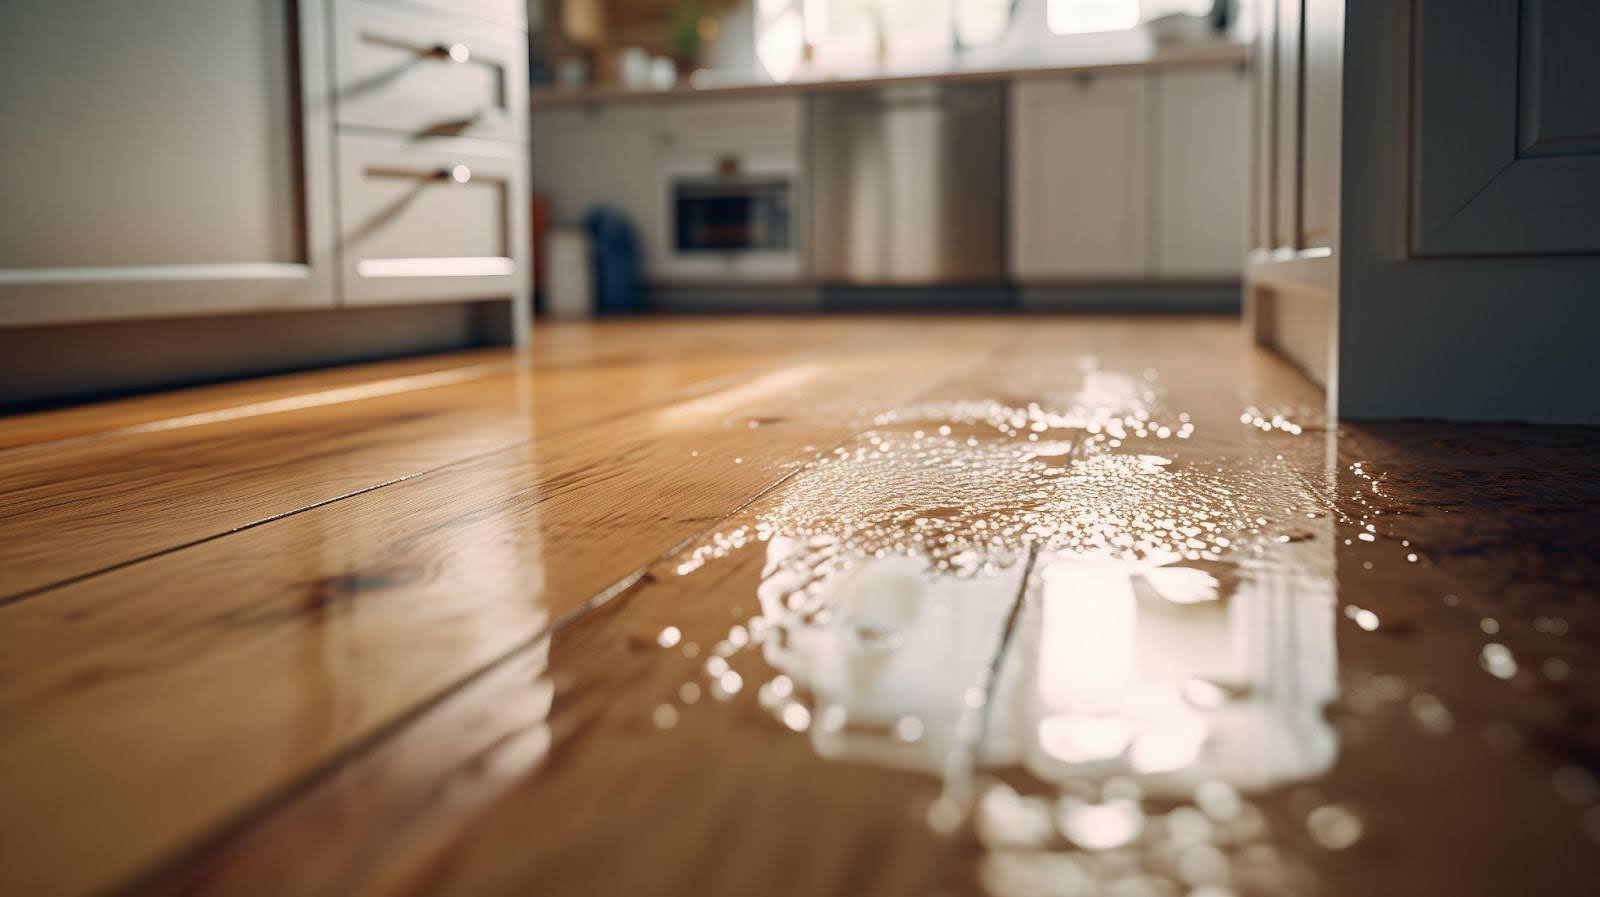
(1201, 136)
(1506, 127)
(1078, 178)
(162, 143)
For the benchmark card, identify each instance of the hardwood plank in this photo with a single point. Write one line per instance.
(581, 737)
(364, 608)
(448, 706)
(555, 344)
(578, 792)
(70, 510)
(83, 508)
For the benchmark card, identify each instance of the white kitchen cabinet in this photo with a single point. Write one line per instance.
(1200, 142)
(1078, 169)
(167, 157)
(191, 157)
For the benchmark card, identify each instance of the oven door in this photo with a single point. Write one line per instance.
(741, 214)
(732, 219)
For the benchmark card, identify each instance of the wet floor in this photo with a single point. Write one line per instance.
(1005, 607)
(1138, 643)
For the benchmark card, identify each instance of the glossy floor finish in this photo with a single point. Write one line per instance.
(893, 606)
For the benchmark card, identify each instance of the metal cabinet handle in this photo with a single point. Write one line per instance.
(457, 52)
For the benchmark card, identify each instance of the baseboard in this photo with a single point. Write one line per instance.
(733, 298)
(61, 364)
(1199, 298)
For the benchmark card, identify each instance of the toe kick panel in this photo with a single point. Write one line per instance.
(433, 221)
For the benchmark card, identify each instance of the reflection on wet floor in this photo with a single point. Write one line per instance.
(1106, 627)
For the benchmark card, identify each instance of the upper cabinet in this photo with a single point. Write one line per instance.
(1078, 170)
(1130, 176)
(171, 156)
(1201, 146)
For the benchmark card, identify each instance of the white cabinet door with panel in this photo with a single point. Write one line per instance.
(1201, 136)
(438, 220)
(172, 157)
(1078, 188)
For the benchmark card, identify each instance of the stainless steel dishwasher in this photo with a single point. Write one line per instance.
(909, 184)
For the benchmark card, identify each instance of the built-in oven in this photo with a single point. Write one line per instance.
(732, 216)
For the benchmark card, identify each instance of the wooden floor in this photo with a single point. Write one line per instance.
(824, 606)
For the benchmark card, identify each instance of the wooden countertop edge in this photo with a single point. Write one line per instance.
(1193, 56)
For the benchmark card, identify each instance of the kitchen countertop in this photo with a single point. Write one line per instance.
(989, 68)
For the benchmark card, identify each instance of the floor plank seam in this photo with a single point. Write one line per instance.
(169, 870)
(336, 396)
(694, 390)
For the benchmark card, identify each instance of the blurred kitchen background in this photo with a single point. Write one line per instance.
(200, 190)
(795, 155)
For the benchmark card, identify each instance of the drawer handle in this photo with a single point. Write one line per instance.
(455, 174)
(454, 52)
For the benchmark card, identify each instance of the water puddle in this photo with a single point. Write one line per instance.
(1109, 630)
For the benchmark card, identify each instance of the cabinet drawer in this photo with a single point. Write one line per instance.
(433, 221)
(416, 73)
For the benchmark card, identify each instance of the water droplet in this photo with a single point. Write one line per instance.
(727, 685)
(1497, 660)
(945, 815)
(1334, 826)
(908, 729)
(1431, 714)
(1218, 800)
(1100, 826)
(1203, 864)
(1007, 820)
(796, 716)
(1362, 617)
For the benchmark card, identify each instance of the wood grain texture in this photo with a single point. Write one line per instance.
(449, 685)
(70, 510)
(470, 814)
(461, 565)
